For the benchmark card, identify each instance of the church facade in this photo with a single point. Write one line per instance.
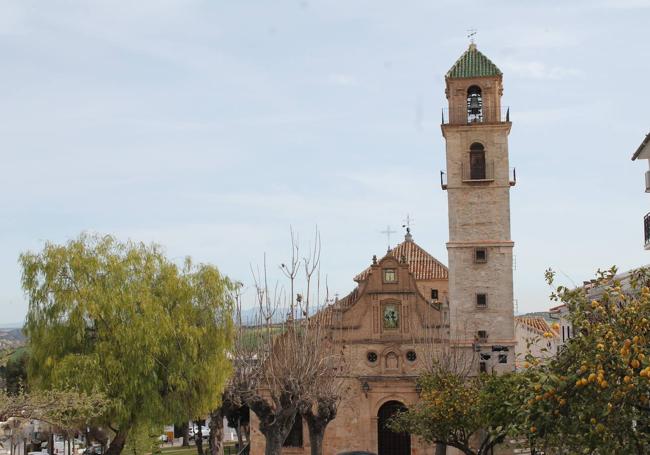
(387, 328)
(407, 306)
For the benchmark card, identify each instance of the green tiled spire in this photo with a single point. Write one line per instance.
(473, 64)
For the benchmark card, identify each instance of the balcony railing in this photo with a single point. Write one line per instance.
(461, 116)
(488, 176)
(646, 231)
(477, 173)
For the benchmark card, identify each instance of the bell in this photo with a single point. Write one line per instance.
(474, 106)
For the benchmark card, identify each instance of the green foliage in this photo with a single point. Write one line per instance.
(69, 411)
(143, 439)
(456, 410)
(15, 371)
(121, 319)
(593, 397)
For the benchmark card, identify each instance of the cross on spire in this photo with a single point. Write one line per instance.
(388, 232)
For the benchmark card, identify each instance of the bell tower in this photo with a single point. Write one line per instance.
(478, 181)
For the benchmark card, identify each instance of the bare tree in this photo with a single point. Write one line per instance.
(290, 369)
(320, 405)
(443, 351)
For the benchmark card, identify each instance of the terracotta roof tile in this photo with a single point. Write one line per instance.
(538, 324)
(422, 265)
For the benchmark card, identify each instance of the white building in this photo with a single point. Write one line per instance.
(643, 153)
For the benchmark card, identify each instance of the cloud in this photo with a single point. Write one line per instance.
(540, 71)
(625, 4)
(343, 80)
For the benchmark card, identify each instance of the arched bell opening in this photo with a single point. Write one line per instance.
(389, 442)
(474, 104)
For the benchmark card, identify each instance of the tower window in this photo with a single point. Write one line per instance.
(372, 357)
(411, 356)
(477, 165)
(503, 358)
(434, 294)
(474, 104)
(482, 335)
(483, 367)
(481, 300)
(390, 276)
(480, 255)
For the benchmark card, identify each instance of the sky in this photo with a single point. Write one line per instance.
(213, 127)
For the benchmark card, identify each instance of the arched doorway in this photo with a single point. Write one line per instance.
(391, 443)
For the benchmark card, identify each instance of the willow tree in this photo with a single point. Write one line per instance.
(122, 320)
(67, 412)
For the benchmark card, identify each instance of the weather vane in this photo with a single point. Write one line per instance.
(407, 223)
(471, 33)
(388, 232)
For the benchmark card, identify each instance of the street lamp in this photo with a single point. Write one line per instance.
(365, 387)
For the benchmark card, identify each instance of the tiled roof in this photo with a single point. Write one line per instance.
(348, 300)
(473, 64)
(422, 265)
(325, 315)
(538, 324)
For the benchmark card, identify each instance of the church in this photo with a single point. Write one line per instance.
(407, 304)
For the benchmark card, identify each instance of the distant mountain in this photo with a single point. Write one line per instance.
(12, 334)
(11, 338)
(249, 316)
(15, 325)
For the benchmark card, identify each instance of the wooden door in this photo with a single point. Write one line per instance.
(391, 443)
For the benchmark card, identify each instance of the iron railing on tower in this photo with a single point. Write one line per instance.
(477, 173)
(473, 176)
(462, 115)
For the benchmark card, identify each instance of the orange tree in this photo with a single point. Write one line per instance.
(593, 397)
(472, 414)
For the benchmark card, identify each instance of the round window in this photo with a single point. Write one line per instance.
(372, 357)
(411, 356)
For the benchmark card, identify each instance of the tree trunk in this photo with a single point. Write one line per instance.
(50, 443)
(273, 444)
(198, 439)
(240, 438)
(117, 444)
(326, 410)
(316, 437)
(275, 424)
(186, 434)
(317, 425)
(216, 432)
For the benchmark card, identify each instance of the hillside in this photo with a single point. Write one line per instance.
(11, 338)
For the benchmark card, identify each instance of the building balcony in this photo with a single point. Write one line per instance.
(461, 115)
(477, 174)
(486, 175)
(646, 231)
